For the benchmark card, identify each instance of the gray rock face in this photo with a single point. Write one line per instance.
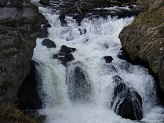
(19, 27)
(144, 39)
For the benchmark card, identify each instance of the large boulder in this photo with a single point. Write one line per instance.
(19, 27)
(144, 39)
(126, 101)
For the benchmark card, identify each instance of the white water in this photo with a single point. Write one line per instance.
(101, 39)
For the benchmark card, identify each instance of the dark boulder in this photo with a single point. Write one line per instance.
(48, 43)
(28, 91)
(79, 87)
(126, 101)
(45, 2)
(62, 20)
(65, 49)
(64, 54)
(108, 59)
(66, 58)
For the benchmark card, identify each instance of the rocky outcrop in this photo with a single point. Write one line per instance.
(30, 99)
(144, 39)
(19, 27)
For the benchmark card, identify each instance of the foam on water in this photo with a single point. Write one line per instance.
(101, 39)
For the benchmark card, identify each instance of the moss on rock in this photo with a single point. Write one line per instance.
(144, 39)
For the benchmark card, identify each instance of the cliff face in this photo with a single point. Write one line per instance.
(144, 38)
(19, 27)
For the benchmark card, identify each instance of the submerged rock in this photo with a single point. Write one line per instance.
(79, 87)
(108, 59)
(126, 101)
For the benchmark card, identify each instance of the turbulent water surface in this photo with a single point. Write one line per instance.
(65, 102)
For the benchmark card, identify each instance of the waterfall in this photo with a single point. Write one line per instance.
(86, 88)
(79, 87)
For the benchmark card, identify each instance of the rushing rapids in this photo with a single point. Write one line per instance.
(83, 78)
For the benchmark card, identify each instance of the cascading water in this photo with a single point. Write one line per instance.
(84, 89)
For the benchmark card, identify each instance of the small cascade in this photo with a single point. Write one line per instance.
(79, 86)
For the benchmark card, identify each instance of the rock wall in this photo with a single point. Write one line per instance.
(144, 38)
(19, 27)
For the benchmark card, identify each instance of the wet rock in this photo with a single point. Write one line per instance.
(126, 101)
(143, 40)
(66, 58)
(64, 54)
(28, 91)
(45, 2)
(123, 55)
(66, 50)
(79, 87)
(79, 18)
(62, 20)
(108, 59)
(48, 43)
(20, 24)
